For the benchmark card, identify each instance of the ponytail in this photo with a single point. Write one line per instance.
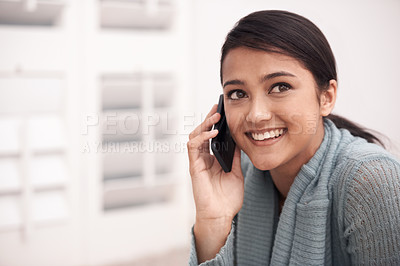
(355, 129)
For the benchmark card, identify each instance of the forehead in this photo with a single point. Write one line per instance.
(243, 61)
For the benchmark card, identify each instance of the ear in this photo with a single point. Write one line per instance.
(328, 98)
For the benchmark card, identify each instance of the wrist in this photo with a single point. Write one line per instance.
(221, 224)
(210, 236)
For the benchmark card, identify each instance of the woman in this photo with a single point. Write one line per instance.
(302, 191)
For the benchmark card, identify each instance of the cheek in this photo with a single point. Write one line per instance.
(301, 116)
(304, 122)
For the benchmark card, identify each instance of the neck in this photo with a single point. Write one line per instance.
(284, 178)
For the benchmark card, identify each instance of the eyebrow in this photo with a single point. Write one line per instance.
(233, 82)
(276, 74)
(263, 79)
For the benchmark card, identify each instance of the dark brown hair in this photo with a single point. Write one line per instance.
(295, 36)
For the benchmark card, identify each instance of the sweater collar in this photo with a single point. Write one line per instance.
(309, 176)
(306, 207)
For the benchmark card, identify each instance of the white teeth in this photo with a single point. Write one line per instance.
(272, 134)
(267, 135)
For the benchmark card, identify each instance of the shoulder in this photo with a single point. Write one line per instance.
(347, 154)
(369, 173)
(363, 174)
(363, 159)
(360, 163)
(354, 152)
(367, 183)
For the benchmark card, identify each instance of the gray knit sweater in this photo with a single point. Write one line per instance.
(342, 209)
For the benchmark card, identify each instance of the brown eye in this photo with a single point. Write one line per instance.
(280, 87)
(237, 94)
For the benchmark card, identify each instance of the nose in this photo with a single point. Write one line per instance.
(259, 111)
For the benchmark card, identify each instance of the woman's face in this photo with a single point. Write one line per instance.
(272, 108)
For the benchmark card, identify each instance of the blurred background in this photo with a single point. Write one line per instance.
(97, 98)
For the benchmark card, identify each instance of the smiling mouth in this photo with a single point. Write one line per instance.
(267, 135)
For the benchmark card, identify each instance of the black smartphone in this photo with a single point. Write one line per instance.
(223, 145)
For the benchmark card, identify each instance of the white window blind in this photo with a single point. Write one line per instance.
(30, 12)
(48, 171)
(34, 177)
(139, 126)
(148, 14)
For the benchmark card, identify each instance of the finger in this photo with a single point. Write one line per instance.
(206, 146)
(198, 158)
(195, 132)
(213, 120)
(195, 145)
(206, 125)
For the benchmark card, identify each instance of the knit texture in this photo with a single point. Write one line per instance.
(342, 209)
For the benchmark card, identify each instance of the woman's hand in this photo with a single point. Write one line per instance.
(218, 195)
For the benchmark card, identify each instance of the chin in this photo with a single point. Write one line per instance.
(264, 164)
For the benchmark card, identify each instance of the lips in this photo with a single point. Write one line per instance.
(266, 135)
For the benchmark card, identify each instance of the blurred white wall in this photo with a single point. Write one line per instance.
(60, 191)
(365, 39)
